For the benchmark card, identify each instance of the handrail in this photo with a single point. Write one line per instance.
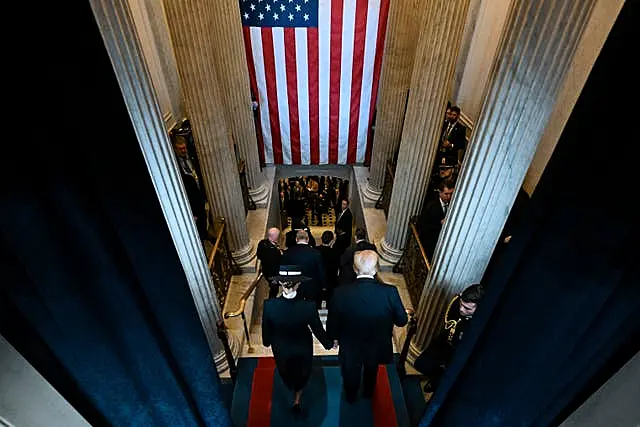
(244, 298)
(242, 305)
(422, 251)
(412, 325)
(215, 246)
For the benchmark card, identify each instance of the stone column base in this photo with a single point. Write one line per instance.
(220, 359)
(414, 352)
(244, 255)
(260, 195)
(389, 253)
(221, 362)
(371, 193)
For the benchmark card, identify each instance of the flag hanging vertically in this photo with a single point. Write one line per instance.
(314, 67)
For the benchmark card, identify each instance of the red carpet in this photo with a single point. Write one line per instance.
(324, 404)
(384, 412)
(261, 391)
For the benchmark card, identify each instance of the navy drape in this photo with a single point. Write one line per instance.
(92, 292)
(561, 310)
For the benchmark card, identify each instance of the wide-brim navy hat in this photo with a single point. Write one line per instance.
(290, 273)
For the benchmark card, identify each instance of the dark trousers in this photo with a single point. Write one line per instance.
(352, 372)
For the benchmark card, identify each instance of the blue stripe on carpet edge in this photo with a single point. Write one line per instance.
(413, 396)
(397, 395)
(242, 393)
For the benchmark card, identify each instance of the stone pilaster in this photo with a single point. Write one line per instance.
(192, 25)
(436, 55)
(399, 52)
(118, 31)
(233, 81)
(537, 47)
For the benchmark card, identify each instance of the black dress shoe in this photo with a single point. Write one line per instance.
(296, 409)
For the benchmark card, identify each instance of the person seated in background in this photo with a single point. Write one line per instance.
(433, 361)
(269, 254)
(347, 273)
(298, 224)
(330, 262)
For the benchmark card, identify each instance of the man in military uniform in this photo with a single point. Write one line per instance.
(433, 361)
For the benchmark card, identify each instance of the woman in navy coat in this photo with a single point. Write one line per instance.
(287, 322)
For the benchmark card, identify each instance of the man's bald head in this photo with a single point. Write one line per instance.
(365, 262)
(273, 234)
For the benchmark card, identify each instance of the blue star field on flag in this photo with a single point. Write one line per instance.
(279, 13)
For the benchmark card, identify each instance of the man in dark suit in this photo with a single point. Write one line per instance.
(330, 261)
(343, 227)
(347, 274)
(361, 319)
(192, 185)
(453, 139)
(433, 215)
(270, 255)
(310, 261)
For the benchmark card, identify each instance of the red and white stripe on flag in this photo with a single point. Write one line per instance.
(317, 87)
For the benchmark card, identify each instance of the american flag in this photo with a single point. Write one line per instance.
(314, 67)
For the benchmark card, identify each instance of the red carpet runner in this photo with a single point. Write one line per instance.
(261, 391)
(384, 413)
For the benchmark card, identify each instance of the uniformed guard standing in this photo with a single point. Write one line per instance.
(433, 361)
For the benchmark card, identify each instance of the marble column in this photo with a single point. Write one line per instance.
(397, 65)
(233, 81)
(118, 31)
(436, 55)
(192, 25)
(536, 50)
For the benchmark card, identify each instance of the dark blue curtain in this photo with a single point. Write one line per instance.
(560, 314)
(91, 289)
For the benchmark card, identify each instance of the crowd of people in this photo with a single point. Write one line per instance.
(328, 263)
(444, 172)
(362, 309)
(317, 195)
